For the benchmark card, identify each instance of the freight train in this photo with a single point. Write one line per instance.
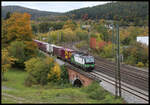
(79, 59)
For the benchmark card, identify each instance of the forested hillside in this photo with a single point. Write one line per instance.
(135, 13)
(125, 12)
(34, 13)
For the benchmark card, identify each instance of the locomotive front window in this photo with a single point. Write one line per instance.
(90, 60)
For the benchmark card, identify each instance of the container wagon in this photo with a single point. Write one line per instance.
(57, 51)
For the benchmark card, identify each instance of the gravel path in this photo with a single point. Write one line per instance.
(14, 98)
(6, 88)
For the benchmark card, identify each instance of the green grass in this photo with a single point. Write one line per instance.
(8, 100)
(51, 93)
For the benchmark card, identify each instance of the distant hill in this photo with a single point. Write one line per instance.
(125, 10)
(33, 12)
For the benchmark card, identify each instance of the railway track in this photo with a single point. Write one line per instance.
(132, 76)
(96, 75)
(141, 94)
(125, 77)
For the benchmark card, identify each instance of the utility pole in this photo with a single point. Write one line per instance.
(114, 50)
(89, 38)
(58, 37)
(118, 60)
(116, 43)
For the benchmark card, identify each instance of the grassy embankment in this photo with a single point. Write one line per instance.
(51, 93)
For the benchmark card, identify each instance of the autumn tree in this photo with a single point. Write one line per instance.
(70, 24)
(18, 28)
(107, 51)
(37, 71)
(17, 50)
(7, 61)
(44, 27)
(103, 30)
(4, 33)
(55, 72)
(42, 70)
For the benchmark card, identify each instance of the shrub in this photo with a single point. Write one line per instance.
(64, 76)
(107, 51)
(140, 64)
(7, 61)
(95, 91)
(136, 53)
(54, 73)
(17, 50)
(147, 64)
(97, 94)
(111, 99)
(38, 69)
(131, 60)
(43, 70)
(81, 34)
(81, 44)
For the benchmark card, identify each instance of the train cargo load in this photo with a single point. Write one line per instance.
(66, 53)
(57, 51)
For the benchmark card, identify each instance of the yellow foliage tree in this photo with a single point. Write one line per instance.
(55, 72)
(6, 61)
(19, 28)
(69, 24)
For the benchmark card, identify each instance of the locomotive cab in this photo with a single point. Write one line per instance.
(89, 63)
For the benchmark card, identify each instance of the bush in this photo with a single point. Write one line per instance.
(54, 74)
(81, 44)
(64, 77)
(28, 82)
(81, 34)
(7, 61)
(17, 50)
(43, 70)
(111, 99)
(97, 94)
(95, 91)
(38, 69)
(107, 51)
(140, 64)
(147, 64)
(136, 53)
(131, 60)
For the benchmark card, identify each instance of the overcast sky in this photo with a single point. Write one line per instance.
(63, 6)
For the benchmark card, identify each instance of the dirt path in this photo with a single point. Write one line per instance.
(6, 88)
(14, 98)
(17, 99)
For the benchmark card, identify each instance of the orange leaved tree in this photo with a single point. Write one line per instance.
(18, 28)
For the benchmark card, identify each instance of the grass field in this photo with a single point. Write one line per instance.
(50, 93)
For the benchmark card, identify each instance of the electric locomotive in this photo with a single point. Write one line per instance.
(83, 61)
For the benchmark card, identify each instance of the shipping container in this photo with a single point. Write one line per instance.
(51, 48)
(57, 51)
(66, 53)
